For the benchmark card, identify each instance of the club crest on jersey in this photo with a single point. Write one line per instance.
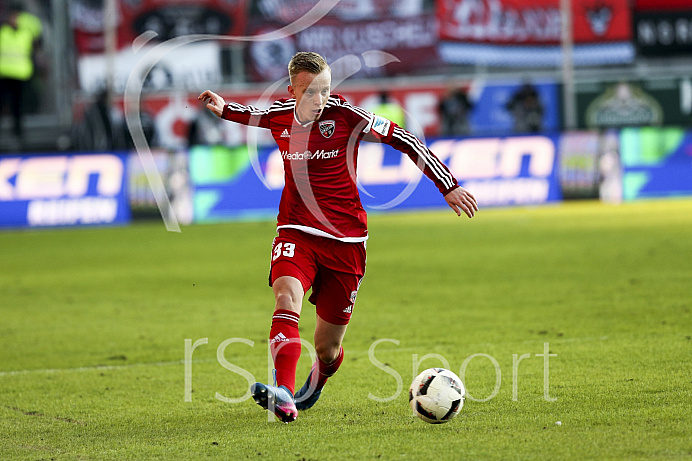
(327, 128)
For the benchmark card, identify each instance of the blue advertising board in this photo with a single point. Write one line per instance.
(505, 171)
(490, 115)
(518, 170)
(228, 183)
(656, 162)
(63, 190)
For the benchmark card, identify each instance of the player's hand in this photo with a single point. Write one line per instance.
(462, 200)
(215, 103)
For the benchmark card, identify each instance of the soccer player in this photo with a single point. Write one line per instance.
(322, 226)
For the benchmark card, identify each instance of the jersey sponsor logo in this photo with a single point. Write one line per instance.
(308, 155)
(285, 134)
(327, 128)
(381, 125)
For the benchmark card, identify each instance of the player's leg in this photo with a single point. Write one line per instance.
(330, 354)
(284, 344)
(284, 337)
(328, 339)
(291, 275)
(334, 297)
(335, 301)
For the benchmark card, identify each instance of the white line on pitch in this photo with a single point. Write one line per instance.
(100, 367)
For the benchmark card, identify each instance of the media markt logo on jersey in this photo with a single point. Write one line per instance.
(624, 104)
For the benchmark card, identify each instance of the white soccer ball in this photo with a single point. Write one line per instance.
(436, 395)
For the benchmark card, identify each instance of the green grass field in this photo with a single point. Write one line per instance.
(94, 323)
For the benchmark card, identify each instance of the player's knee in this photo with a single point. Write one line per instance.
(328, 353)
(288, 302)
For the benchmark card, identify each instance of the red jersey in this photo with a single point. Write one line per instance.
(320, 195)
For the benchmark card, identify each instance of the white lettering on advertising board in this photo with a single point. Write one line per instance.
(59, 176)
(489, 167)
(58, 187)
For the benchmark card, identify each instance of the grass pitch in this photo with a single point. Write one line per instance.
(571, 325)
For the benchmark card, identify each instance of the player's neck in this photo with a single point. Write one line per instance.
(297, 118)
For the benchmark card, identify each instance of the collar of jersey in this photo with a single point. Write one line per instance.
(304, 125)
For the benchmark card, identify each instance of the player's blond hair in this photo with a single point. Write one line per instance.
(306, 61)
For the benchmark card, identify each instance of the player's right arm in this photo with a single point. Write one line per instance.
(215, 103)
(379, 129)
(247, 115)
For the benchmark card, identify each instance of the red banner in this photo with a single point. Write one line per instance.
(369, 48)
(168, 19)
(670, 5)
(601, 21)
(532, 22)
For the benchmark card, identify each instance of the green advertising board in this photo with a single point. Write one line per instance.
(616, 104)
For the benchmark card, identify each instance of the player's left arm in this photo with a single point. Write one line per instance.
(459, 199)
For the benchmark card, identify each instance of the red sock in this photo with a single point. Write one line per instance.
(284, 344)
(324, 370)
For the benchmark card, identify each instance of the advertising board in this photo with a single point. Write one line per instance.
(650, 102)
(408, 43)
(491, 116)
(165, 18)
(656, 162)
(519, 170)
(664, 33)
(528, 33)
(63, 190)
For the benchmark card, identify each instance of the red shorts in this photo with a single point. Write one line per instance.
(333, 269)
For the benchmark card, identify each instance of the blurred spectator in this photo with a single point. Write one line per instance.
(610, 188)
(104, 128)
(526, 109)
(20, 32)
(97, 130)
(205, 129)
(454, 112)
(390, 110)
